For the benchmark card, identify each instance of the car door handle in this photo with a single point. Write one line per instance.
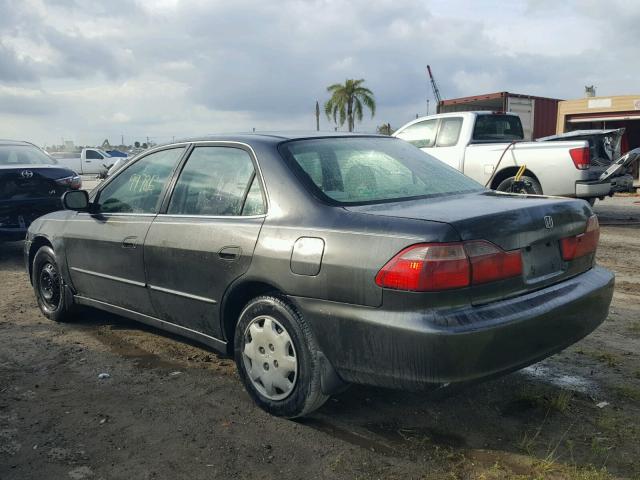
(130, 242)
(230, 253)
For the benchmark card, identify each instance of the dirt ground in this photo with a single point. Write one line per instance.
(171, 409)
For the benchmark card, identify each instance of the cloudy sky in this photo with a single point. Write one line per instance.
(90, 70)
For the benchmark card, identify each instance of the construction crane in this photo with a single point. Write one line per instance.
(436, 92)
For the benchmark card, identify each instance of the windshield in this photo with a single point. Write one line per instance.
(496, 128)
(24, 155)
(371, 170)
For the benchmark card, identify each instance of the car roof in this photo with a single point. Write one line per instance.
(271, 137)
(15, 142)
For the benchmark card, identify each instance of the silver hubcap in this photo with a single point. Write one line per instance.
(270, 358)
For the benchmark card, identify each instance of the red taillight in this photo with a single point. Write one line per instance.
(74, 182)
(581, 157)
(582, 244)
(443, 266)
(489, 263)
(426, 267)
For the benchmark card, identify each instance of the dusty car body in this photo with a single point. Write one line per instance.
(340, 259)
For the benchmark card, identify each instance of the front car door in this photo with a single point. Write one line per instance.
(104, 248)
(205, 236)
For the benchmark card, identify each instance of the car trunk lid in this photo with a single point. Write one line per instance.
(24, 183)
(532, 224)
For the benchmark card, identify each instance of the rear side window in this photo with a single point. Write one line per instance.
(370, 170)
(421, 134)
(496, 128)
(23, 155)
(216, 181)
(137, 188)
(449, 132)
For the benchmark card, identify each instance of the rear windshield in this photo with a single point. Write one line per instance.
(497, 128)
(23, 155)
(371, 170)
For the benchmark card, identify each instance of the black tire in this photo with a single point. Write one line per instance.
(533, 186)
(306, 394)
(52, 299)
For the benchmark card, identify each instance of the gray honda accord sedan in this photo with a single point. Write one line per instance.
(319, 261)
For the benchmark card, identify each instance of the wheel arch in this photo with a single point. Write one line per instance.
(36, 244)
(510, 172)
(235, 299)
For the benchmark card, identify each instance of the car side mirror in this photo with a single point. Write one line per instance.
(77, 200)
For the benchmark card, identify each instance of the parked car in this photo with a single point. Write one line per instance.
(488, 147)
(31, 184)
(92, 161)
(317, 261)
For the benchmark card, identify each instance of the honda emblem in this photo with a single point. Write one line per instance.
(548, 222)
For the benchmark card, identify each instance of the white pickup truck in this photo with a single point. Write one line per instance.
(488, 147)
(92, 161)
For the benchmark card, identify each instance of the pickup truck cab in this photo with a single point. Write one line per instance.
(489, 147)
(92, 161)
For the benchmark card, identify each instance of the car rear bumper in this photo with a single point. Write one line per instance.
(590, 189)
(16, 216)
(414, 349)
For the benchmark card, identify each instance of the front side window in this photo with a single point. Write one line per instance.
(421, 134)
(449, 132)
(370, 170)
(216, 181)
(93, 155)
(137, 188)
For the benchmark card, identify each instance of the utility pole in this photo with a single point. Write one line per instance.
(121, 139)
(317, 116)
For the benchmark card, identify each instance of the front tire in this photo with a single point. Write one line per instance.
(47, 283)
(278, 358)
(533, 187)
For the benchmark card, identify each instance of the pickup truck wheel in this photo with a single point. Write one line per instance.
(49, 288)
(278, 358)
(533, 187)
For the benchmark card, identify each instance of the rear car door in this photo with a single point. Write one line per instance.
(104, 248)
(206, 235)
(447, 149)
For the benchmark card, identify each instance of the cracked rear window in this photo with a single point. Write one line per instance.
(362, 170)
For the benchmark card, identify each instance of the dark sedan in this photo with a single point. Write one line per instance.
(317, 261)
(31, 184)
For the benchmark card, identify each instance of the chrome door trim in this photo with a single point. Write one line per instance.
(109, 277)
(182, 294)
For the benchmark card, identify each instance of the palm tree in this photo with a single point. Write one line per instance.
(346, 102)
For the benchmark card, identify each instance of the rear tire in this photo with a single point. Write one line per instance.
(48, 286)
(533, 188)
(278, 358)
